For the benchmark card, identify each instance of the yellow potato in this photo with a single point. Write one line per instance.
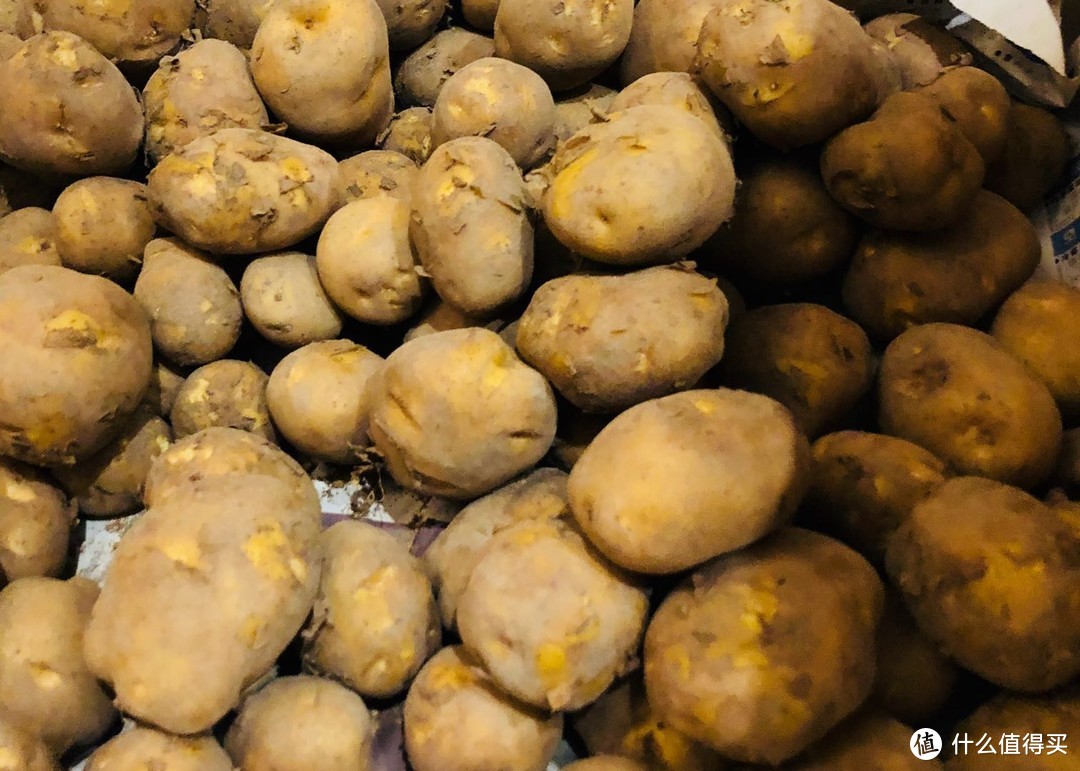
(285, 301)
(225, 393)
(35, 523)
(102, 226)
(28, 237)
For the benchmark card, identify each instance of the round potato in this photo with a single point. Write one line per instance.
(35, 523)
(225, 393)
(497, 415)
(675, 481)
(921, 50)
(979, 105)
(865, 741)
(677, 89)
(1033, 159)
(110, 245)
(285, 302)
(760, 653)
(376, 173)
(664, 37)
(67, 109)
(409, 134)
(28, 237)
(26, 751)
(85, 356)
(142, 748)
(410, 23)
(421, 76)
(453, 697)
(1050, 718)
(193, 305)
(960, 395)
(234, 21)
(165, 383)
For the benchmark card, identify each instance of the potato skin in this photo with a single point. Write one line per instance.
(68, 110)
(1023, 715)
(868, 740)
(27, 751)
(409, 133)
(112, 246)
(47, 689)
(453, 696)
(55, 320)
(922, 51)
(421, 76)
(375, 173)
(1033, 159)
(141, 748)
(979, 105)
(664, 37)
(408, 24)
(989, 573)
(498, 414)
(224, 393)
(609, 342)
(28, 237)
(677, 89)
(285, 192)
(235, 21)
(960, 395)
(575, 111)
(782, 631)
(733, 469)
(193, 305)
(35, 523)
(285, 302)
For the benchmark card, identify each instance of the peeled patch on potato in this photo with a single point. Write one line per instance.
(141, 748)
(285, 301)
(409, 134)
(35, 523)
(225, 393)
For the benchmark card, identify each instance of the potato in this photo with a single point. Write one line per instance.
(375, 173)
(990, 574)
(84, 349)
(1033, 159)
(960, 395)
(46, 688)
(242, 191)
(421, 76)
(496, 415)
(794, 73)
(551, 621)
(575, 112)
(898, 280)
(454, 697)
(786, 230)
(609, 342)
(234, 21)
(500, 100)
(366, 262)
(664, 37)
(654, 503)
(201, 90)
(441, 316)
(408, 24)
(480, 13)
(782, 631)
(815, 362)
(142, 748)
(302, 723)
(325, 69)
(567, 42)
(375, 620)
(285, 302)
(409, 134)
(922, 51)
(606, 763)
(979, 105)
(863, 486)
(24, 751)
(676, 89)
(225, 393)
(1053, 719)
(193, 305)
(867, 740)
(35, 523)
(28, 237)
(242, 549)
(470, 226)
(453, 555)
(651, 200)
(1037, 325)
(67, 109)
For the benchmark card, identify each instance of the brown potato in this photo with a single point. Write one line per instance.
(409, 134)
(480, 13)
(285, 301)
(25, 750)
(28, 237)
(421, 76)
(35, 523)
(960, 395)
(866, 741)
(1033, 159)
(225, 393)
(375, 173)
(979, 105)
(1053, 719)
(143, 748)
(410, 23)
(921, 50)
(677, 89)
(235, 21)
(664, 37)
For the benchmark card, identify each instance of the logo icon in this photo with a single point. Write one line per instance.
(925, 744)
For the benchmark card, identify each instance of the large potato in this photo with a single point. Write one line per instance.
(496, 415)
(664, 37)
(242, 191)
(102, 226)
(285, 301)
(28, 237)
(325, 69)
(959, 394)
(144, 748)
(1038, 722)
(760, 653)
(25, 750)
(225, 393)
(675, 481)
(421, 76)
(1033, 159)
(67, 109)
(84, 349)
(35, 523)
(650, 184)
(609, 342)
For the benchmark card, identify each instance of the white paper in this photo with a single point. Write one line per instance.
(1030, 24)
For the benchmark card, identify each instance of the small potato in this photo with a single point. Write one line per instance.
(552, 622)
(653, 200)
(85, 355)
(1033, 159)
(979, 105)
(922, 51)
(609, 342)
(67, 109)
(606, 763)
(409, 134)
(242, 191)
(366, 262)
(193, 305)
(1038, 325)
(285, 302)
(1056, 716)
(453, 697)
(28, 237)
(410, 23)
(35, 523)
(990, 574)
(866, 741)
(201, 90)
(470, 226)
(664, 37)
(143, 748)
(375, 619)
(225, 393)
(567, 42)
(898, 280)
(234, 21)
(106, 245)
(575, 112)
(47, 688)
(421, 76)
(497, 415)
(26, 751)
(815, 362)
(960, 395)
(325, 69)
(760, 653)
(655, 505)
(677, 89)
(375, 173)
(300, 724)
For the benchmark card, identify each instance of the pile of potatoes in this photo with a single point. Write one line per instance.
(716, 322)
